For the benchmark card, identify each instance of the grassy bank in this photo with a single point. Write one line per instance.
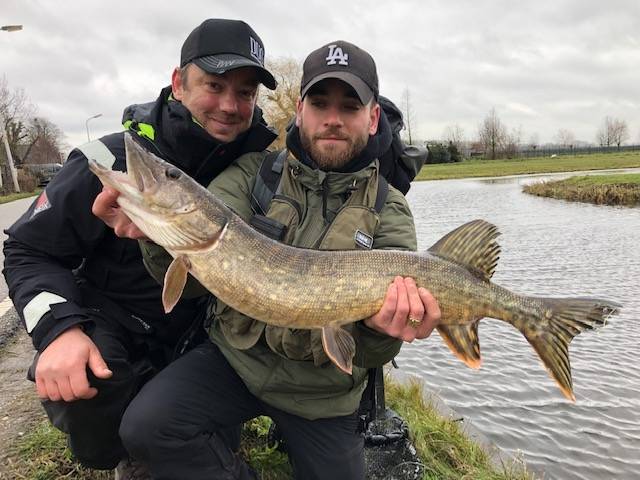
(598, 189)
(496, 168)
(445, 451)
(17, 196)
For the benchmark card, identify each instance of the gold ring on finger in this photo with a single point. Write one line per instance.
(414, 322)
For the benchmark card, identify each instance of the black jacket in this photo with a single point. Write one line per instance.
(59, 247)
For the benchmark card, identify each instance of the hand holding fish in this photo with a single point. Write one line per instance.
(106, 208)
(408, 312)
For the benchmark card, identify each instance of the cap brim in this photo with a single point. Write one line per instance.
(365, 94)
(219, 64)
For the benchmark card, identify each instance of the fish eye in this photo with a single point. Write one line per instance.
(173, 173)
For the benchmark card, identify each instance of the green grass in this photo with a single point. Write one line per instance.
(621, 179)
(42, 454)
(497, 168)
(444, 450)
(621, 189)
(17, 196)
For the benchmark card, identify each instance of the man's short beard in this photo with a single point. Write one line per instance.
(332, 159)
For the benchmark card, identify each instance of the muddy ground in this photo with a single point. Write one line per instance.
(19, 405)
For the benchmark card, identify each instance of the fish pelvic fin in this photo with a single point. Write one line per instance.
(473, 246)
(463, 341)
(174, 282)
(340, 347)
(563, 319)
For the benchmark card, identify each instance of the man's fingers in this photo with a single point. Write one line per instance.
(105, 202)
(64, 388)
(53, 393)
(416, 306)
(431, 316)
(41, 388)
(80, 386)
(97, 364)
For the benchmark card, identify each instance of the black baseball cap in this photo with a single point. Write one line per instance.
(346, 62)
(218, 45)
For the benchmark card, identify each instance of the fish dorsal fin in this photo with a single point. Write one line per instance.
(473, 246)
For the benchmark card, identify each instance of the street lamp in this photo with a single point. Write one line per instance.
(11, 28)
(87, 124)
(12, 168)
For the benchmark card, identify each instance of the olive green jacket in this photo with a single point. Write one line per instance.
(287, 368)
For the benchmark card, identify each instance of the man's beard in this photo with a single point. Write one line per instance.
(332, 158)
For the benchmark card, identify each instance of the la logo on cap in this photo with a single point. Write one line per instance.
(337, 56)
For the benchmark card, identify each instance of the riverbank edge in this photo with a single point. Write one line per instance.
(621, 193)
(498, 457)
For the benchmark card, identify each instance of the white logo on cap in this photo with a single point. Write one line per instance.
(337, 56)
(256, 50)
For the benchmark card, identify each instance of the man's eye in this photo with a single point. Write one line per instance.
(247, 94)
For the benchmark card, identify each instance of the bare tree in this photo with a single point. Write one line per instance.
(44, 143)
(620, 132)
(534, 140)
(492, 134)
(511, 143)
(565, 137)
(454, 135)
(14, 110)
(409, 116)
(279, 105)
(612, 132)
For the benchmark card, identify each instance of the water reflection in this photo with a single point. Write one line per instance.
(549, 248)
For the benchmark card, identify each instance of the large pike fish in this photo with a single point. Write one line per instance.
(294, 287)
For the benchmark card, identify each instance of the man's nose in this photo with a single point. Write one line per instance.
(228, 102)
(333, 117)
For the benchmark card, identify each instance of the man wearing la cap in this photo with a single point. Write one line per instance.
(92, 310)
(327, 200)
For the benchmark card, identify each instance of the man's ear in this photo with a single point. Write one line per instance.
(176, 84)
(374, 118)
(298, 111)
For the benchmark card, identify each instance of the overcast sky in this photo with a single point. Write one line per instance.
(543, 65)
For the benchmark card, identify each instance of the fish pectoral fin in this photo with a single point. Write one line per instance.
(473, 246)
(340, 347)
(174, 282)
(463, 341)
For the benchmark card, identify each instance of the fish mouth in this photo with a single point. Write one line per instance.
(140, 182)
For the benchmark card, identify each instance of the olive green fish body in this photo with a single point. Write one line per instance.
(301, 288)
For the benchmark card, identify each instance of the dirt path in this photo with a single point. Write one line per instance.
(19, 405)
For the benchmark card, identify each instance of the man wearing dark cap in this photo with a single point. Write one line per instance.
(328, 198)
(94, 314)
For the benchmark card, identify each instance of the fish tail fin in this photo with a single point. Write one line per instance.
(551, 332)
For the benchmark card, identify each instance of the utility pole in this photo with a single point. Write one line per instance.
(12, 169)
(86, 124)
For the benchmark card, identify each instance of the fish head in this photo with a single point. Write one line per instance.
(169, 206)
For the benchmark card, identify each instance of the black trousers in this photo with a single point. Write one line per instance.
(172, 425)
(92, 425)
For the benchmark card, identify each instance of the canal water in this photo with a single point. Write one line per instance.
(549, 248)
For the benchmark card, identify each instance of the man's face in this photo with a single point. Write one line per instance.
(222, 104)
(334, 125)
